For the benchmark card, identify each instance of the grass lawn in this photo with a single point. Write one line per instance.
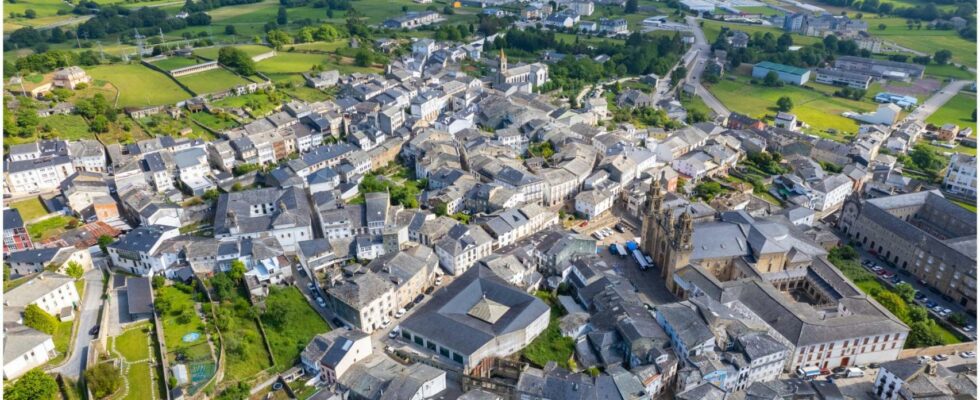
(948, 71)
(161, 124)
(713, 28)
(214, 122)
(692, 103)
(244, 347)
(924, 40)
(259, 103)
(967, 206)
(67, 127)
(49, 228)
(819, 110)
(133, 343)
(215, 80)
(46, 10)
(328, 47)
(550, 345)
(172, 63)
(139, 85)
(140, 381)
(174, 327)
(302, 324)
(309, 94)
(252, 50)
(763, 10)
(29, 208)
(61, 339)
(957, 110)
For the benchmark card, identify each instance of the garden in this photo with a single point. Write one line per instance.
(185, 334)
(550, 345)
(290, 323)
(244, 347)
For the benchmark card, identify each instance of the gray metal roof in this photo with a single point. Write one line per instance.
(138, 295)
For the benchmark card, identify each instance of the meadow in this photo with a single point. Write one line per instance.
(138, 85)
(958, 110)
(215, 80)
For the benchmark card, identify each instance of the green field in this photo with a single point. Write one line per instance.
(301, 324)
(958, 110)
(47, 12)
(67, 127)
(925, 40)
(819, 110)
(215, 80)
(138, 85)
(174, 327)
(948, 71)
(763, 10)
(139, 377)
(49, 228)
(252, 50)
(30, 208)
(296, 63)
(713, 28)
(172, 63)
(214, 122)
(133, 344)
(550, 345)
(327, 47)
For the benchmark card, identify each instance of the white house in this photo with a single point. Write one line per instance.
(961, 177)
(137, 251)
(50, 291)
(593, 203)
(331, 354)
(24, 349)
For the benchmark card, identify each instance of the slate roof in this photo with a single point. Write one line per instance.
(138, 295)
(292, 208)
(445, 318)
(12, 219)
(35, 256)
(19, 339)
(34, 289)
(331, 348)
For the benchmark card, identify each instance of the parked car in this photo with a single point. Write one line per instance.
(336, 322)
(319, 300)
(429, 290)
(620, 229)
(968, 354)
(940, 357)
(418, 299)
(393, 334)
(888, 275)
(312, 286)
(969, 328)
(400, 313)
(920, 296)
(94, 331)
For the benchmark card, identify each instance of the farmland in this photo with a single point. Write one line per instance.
(958, 110)
(925, 40)
(172, 63)
(138, 85)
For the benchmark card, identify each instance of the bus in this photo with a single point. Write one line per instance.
(640, 259)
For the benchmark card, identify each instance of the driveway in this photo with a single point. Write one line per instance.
(87, 318)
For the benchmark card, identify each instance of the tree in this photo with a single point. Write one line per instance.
(103, 379)
(211, 194)
(893, 303)
(632, 6)
(771, 79)
(278, 309)
(958, 318)
(918, 313)
(30, 13)
(708, 190)
(784, 104)
(906, 292)
(282, 18)
(104, 242)
(278, 38)
(39, 319)
(158, 281)
(942, 57)
(74, 270)
(236, 59)
(363, 58)
(442, 209)
(230, 30)
(237, 271)
(882, 27)
(921, 334)
(34, 385)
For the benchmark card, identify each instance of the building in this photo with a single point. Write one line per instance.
(788, 74)
(960, 179)
(535, 74)
(137, 251)
(15, 236)
(948, 132)
(52, 292)
(839, 77)
(281, 213)
(31, 261)
(914, 378)
(758, 262)
(786, 121)
(901, 100)
(476, 318)
(365, 301)
(412, 20)
(462, 247)
(24, 349)
(591, 204)
(331, 354)
(37, 167)
(70, 77)
(880, 68)
(922, 233)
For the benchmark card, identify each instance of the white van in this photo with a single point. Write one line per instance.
(807, 372)
(854, 373)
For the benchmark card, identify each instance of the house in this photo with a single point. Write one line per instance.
(24, 349)
(591, 204)
(961, 176)
(139, 298)
(329, 355)
(37, 167)
(70, 77)
(31, 261)
(268, 212)
(786, 121)
(322, 80)
(613, 26)
(412, 20)
(15, 236)
(901, 100)
(365, 301)
(632, 98)
(788, 74)
(52, 292)
(914, 378)
(137, 251)
(461, 247)
(948, 132)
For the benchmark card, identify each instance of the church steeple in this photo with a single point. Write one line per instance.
(502, 66)
(655, 199)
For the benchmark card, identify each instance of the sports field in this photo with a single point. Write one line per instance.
(139, 85)
(215, 80)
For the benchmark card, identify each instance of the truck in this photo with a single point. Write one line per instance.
(620, 250)
(640, 259)
(631, 246)
(807, 372)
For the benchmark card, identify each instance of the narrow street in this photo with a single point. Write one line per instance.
(694, 76)
(928, 107)
(88, 316)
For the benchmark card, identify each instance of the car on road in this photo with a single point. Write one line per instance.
(312, 286)
(400, 313)
(969, 328)
(940, 357)
(386, 322)
(418, 299)
(429, 290)
(336, 322)
(94, 331)
(931, 304)
(888, 275)
(968, 354)
(320, 302)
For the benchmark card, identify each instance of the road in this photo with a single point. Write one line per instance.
(87, 318)
(704, 50)
(937, 100)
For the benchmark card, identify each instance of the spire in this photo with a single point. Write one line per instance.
(502, 67)
(686, 227)
(655, 197)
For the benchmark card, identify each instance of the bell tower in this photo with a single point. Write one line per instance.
(651, 216)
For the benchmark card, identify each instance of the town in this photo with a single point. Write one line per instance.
(490, 199)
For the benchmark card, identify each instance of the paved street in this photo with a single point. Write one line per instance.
(937, 100)
(88, 316)
(694, 76)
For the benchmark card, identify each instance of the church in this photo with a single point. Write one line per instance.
(535, 74)
(768, 270)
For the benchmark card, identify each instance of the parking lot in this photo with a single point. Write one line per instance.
(862, 387)
(933, 301)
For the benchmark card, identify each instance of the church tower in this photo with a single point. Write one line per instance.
(651, 217)
(679, 248)
(502, 68)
